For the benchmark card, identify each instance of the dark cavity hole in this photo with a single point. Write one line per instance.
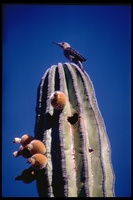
(49, 119)
(73, 119)
(91, 150)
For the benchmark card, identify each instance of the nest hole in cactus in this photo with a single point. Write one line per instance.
(73, 119)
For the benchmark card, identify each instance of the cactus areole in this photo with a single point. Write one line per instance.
(77, 145)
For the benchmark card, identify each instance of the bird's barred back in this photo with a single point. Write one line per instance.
(70, 51)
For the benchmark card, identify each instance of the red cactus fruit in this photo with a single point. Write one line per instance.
(36, 146)
(24, 140)
(58, 100)
(38, 161)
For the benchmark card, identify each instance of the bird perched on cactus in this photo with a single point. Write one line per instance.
(38, 161)
(71, 54)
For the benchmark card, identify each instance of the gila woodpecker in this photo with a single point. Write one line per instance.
(71, 54)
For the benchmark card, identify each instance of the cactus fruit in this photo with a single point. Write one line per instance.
(78, 150)
(24, 140)
(23, 151)
(38, 161)
(58, 100)
(36, 146)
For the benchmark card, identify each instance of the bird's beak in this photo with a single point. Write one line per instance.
(57, 43)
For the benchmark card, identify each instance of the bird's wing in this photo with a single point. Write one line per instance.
(73, 55)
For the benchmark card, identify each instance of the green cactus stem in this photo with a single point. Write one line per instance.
(78, 149)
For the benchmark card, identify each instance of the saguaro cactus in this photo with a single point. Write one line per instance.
(78, 149)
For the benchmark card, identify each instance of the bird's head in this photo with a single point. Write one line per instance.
(63, 45)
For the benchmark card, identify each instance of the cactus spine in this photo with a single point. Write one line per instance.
(78, 149)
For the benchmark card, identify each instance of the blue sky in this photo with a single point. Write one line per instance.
(102, 34)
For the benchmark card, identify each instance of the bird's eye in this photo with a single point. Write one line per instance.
(62, 42)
